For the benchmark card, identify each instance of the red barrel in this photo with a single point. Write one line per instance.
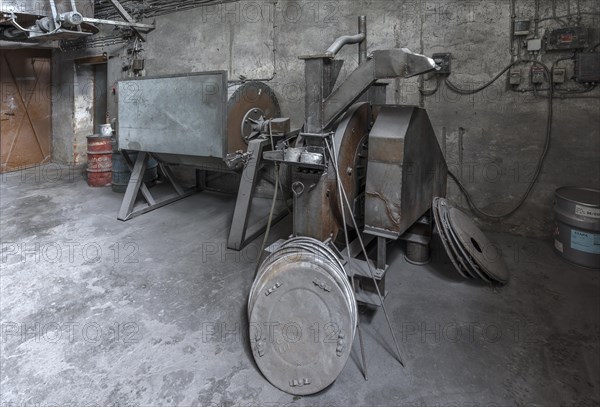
(99, 169)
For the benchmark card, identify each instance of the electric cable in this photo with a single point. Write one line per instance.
(431, 92)
(271, 212)
(542, 158)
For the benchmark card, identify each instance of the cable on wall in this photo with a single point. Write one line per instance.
(542, 158)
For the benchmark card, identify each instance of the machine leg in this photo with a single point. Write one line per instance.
(135, 182)
(381, 253)
(136, 185)
(240, 232)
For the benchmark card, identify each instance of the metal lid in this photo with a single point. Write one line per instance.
(301, 329)
(582, 196)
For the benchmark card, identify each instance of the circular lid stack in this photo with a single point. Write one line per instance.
(303, 317)
(471, 252)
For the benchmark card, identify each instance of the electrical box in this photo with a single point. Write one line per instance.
(534, 45)
(515, 77)
(568, 38)
(559, 75)
(537, 75)
(443, 60)
(522, 27)
(587, 67)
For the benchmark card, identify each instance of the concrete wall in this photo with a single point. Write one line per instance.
(493, 139)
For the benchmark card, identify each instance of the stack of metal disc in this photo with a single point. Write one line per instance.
(470, 251)
(303, 317)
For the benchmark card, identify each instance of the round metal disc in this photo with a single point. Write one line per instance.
(474, 241)
(442, 231)
(298, 253)
(352, 153)
(339, 275)
(463, 257)
(244, 98)
(301, 329)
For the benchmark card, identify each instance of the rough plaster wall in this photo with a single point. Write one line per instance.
(83, 120)
(502, 132)
(72, 109)
(73, 102)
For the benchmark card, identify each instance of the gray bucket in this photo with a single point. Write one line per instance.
(577, 233)
(121, 173)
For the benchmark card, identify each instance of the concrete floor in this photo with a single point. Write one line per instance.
(151, 312)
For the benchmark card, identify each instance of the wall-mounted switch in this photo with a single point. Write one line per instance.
(537, 75)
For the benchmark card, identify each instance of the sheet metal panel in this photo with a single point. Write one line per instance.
(406, 171)
(174, 114)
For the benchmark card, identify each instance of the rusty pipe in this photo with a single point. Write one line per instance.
(343, 41)
(362, 46)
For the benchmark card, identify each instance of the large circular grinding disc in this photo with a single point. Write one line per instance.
(243, 100)
(482, 251)
(463, 256)
(301, 329)
(442, 231)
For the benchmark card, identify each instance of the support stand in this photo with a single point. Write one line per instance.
(136, 185)
(366, 292)
(241, 233)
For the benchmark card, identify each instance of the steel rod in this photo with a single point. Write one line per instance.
(364, 250)
(352, 276)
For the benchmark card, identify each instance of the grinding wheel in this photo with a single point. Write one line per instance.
(442, 231)
(351, 146)
(463, 256)
(248, 100)
(474, 241)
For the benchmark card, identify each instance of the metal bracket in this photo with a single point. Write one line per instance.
(136, 185)
(366, 291)
(241, 233)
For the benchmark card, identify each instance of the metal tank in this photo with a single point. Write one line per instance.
(201, 121)
(193, 119)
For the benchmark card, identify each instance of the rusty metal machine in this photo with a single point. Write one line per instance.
(205, 122)
(361, 173)
(364, 173)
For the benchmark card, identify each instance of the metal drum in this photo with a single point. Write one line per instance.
(121, 173)
(99, 151)
(577, 232)
(303, 317)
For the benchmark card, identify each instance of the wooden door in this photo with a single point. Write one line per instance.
(26, 108)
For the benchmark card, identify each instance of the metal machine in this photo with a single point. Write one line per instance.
(361, 173)
(205, 122)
